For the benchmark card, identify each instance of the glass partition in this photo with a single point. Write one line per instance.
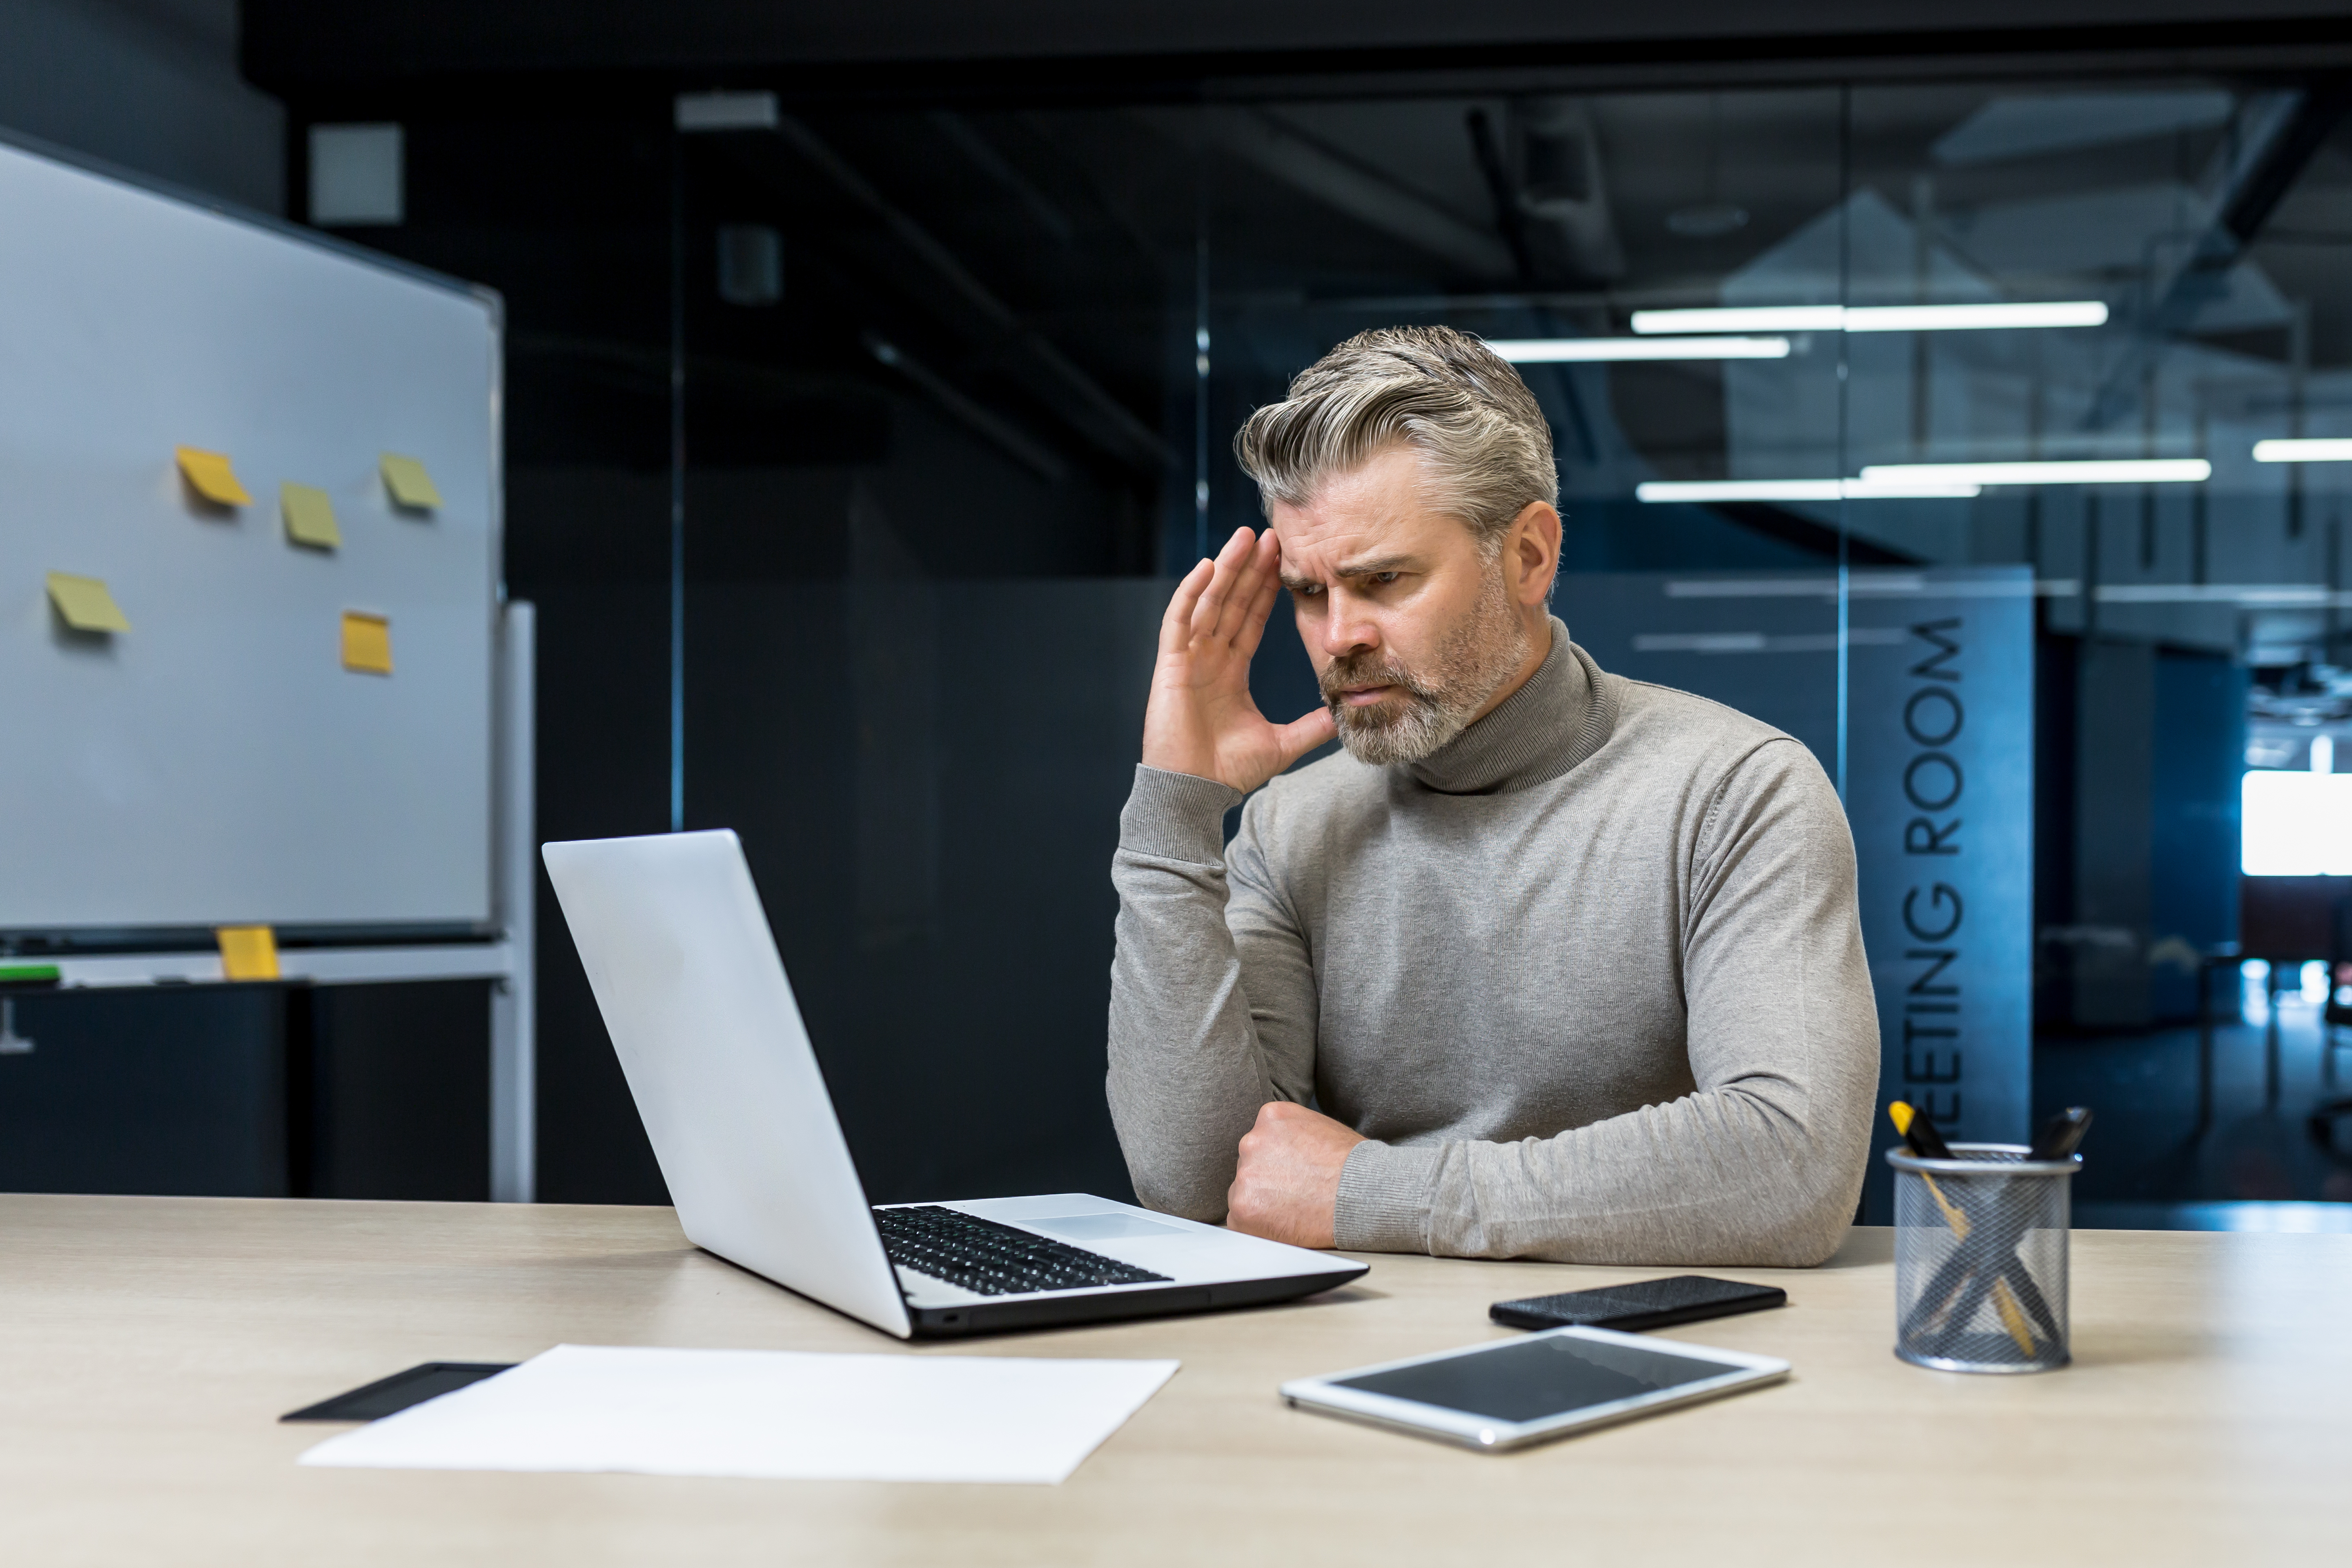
(2140, 306)
(934, 400)
(1976, 434)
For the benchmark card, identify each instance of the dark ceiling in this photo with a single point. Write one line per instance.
(292, 45)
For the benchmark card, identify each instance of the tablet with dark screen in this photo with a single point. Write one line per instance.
(1512, 1391)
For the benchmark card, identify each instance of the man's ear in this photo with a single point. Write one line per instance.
(1533, 546)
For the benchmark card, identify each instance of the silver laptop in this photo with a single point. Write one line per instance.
(686, 972)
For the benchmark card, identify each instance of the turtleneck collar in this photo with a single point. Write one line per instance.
(1562, 715)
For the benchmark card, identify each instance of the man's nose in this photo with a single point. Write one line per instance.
(1346, 630)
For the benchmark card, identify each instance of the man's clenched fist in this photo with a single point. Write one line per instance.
(1288, 1182)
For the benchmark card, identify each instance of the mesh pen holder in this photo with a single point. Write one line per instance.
(1980, 1258)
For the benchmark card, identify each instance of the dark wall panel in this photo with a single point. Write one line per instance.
(399, 1089)
(162, 1089)
(604, 728)
(2200, 756)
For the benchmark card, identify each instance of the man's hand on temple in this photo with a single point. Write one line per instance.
(1201, 719)
(1288, 1184)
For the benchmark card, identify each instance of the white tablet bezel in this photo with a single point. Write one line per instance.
(1325, 1396)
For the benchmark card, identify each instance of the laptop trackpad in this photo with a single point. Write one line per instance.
(1098, 1226)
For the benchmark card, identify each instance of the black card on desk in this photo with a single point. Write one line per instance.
(1648, 1304)
(390, 1396)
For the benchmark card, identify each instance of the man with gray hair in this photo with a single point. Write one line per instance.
(1567, 967)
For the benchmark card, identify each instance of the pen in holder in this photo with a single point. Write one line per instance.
(1980, 1258)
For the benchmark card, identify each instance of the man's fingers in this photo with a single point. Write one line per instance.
(1250, 573)
(1175, 625)
(1219, 591)
(1261, 605)
(1245, 613)
(1303, 733)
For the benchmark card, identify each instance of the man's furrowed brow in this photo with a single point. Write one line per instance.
(1377, 563)
(1294, 581)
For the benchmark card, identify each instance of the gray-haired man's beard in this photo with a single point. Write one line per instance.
(1429, 707)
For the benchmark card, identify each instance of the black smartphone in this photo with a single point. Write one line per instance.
(1650, 1304)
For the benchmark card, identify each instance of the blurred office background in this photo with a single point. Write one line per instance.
(869, 375)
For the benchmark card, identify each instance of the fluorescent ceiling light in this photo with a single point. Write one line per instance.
(1561, 351)
(1864, 489)
(2127, 471)
(1876, 318)
(1867, 584)
(1757, 642)
(1761, 319)
(1975, 318)
(2320, 451)
(2245, 595)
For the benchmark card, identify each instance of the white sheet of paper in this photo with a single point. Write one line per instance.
(778, 1415)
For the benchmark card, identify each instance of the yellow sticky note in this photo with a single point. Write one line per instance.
(310, 516)
(85, 604)
(247, 953)
(410, 485)
(210, 474)
(367, 643)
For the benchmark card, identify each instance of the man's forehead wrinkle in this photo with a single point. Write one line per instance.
(1385, 485)
(1335, 528)
(1354, 523)
(1311, 544)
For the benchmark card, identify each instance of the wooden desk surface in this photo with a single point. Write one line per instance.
(147, 1346)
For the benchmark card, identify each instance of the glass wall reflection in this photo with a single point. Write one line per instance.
(1976, 434)
(2155, 469)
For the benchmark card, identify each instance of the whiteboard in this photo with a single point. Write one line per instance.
(215, 763)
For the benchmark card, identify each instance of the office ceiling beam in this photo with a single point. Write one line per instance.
(1075, 395)
(2280, 134)
(291, 45)
(1275, 147)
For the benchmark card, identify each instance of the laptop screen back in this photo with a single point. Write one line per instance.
(684, 971)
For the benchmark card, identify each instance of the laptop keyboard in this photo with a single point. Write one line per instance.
(992, 1259)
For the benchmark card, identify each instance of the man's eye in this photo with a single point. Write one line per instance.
(1308, 590)
(1385, 578)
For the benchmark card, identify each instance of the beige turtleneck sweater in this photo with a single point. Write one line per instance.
(1589, 979)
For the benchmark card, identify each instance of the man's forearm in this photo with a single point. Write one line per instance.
(1186, 1075)
(1719, 1178)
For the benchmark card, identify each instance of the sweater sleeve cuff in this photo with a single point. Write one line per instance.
(1384, 1196)
(1176, 816)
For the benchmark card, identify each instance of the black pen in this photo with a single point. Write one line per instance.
(2062, 1134)
(1918, 1130)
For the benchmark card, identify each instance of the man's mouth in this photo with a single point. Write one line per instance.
(1365, 696)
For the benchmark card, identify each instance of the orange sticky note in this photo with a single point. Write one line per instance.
(410, 485)
(367, 643)
(247, 953)
(85, 604)
(212, 477)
